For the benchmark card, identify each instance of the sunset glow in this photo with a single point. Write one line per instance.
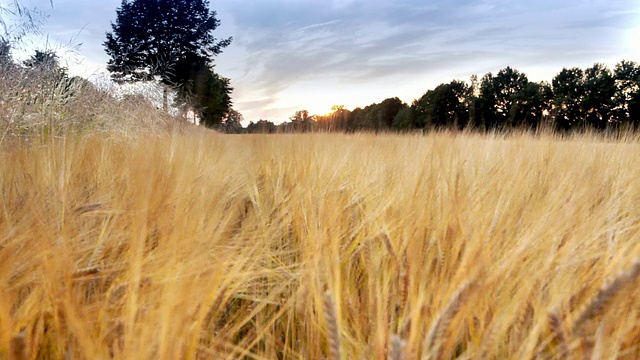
(293, 55)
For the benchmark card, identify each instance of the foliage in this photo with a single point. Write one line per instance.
(47, 63)
(627, 98)
(576, 99)
(533, 105)
(599, 95)
(232, 123)
(404, 119)
(205, 92)
(5, 53)
(446, 105)
(568, 93)
(261, 127)
(301, 121)
(170, 41)
(151, 37)
(499, 95)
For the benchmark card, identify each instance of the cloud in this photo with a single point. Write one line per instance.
(343, 50)
(315, 26)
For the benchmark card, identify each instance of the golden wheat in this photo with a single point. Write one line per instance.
(202, 246)
(333, 329)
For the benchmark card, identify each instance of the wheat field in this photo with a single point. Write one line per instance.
(320, 246)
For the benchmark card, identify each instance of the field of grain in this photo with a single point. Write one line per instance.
(203, 246)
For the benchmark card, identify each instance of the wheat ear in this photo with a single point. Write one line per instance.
(19, 347)
(440, 325)
(604, 295)
(398, 348)
(331, 318)
(387, 244)
(86, 272)
(88, 208)
(557, 330)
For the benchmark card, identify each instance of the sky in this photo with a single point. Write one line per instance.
(289, 55)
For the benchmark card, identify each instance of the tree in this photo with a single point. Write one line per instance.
(568, 95)
(300, 121)
(533, 104)
(206, 93)
(53, 82)
(446, 106)
(261, 127)
(405, 118)
(599, 92)
(627, 98)
(498, 98)
(151, 39)
(232, 123)
(387, 111)
(378, 117)
(337, 120)
(46, 66)
(354, 120)
(46, 60)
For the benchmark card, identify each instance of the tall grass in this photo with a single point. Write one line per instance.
(320, 246)
(43, 102)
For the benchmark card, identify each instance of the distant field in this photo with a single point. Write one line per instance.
(205, 246)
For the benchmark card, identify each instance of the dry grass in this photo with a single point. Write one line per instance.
(204, 246)
(42, 103)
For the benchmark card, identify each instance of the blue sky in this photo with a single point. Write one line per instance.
(293, 54)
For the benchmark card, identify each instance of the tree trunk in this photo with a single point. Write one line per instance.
(165, 98)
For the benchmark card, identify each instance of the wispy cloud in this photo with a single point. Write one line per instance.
(398, 42)
(360, 51)
(319, 25)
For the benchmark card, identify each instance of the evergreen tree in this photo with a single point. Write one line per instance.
(46, 60)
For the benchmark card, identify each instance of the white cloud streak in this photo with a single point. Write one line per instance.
(356, 52)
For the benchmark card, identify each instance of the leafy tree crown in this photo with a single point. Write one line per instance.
(150, 38)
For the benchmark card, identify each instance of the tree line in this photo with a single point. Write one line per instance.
(576, 99)
(171, 43)
(155, 40)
